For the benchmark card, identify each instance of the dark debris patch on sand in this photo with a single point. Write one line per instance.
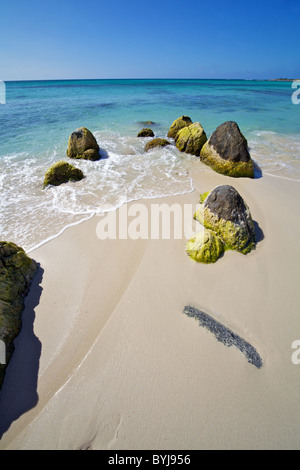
(225, 335)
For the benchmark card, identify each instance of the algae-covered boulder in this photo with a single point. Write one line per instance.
(225, 212)
(191, 139)
(205, 247)
(82, 144)
(62, 172)
(16, 273)
(226, 152)
(178, 124)
(146, 132)
(158, 142)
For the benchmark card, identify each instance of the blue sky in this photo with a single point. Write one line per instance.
(154, 39)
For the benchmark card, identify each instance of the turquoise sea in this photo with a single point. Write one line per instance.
(39, 116)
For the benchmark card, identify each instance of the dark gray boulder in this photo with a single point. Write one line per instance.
(225, 212)
(227, 152)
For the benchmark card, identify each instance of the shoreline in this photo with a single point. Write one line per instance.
(96, 214)
(121, 367)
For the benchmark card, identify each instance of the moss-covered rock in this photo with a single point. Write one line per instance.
(178, 124)
(204, 196)
(226, 152)
(158, 142)
(191, 139)
(146, 132)
(82, 144)
(62, 172)
(205, 247)
(16, 273)
(225, 212)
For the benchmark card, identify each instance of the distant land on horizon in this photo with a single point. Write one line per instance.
(149, 78)
(283, 79)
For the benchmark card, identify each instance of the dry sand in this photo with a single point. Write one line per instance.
(107, 360)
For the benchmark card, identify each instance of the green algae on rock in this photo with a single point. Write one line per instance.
(146, 132)
(227, 153)
(62, 172)
(191, 139)
(205, 247)
(82, 144)
(16, 273)
(178, 124)
(158, 142)
(204, 196)
(225, 212)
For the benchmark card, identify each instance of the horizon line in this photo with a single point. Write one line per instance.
(149, 78)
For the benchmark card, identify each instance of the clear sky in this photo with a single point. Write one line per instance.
(54, 39)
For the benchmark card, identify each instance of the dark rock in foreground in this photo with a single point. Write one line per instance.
(225, 335)
(82, 144)
(226, 152)
(146, 132)
(62, 172)
(158, 142)
(16, 273)
(225, 212)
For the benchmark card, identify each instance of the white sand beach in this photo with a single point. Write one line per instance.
(108, 360)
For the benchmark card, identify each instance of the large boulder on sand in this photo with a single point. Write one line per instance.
(178, 124)
(82, 144)
(16, 273)
(62, 172)
(225, 212)
(158, 142)
(205, 247)
(191, 139)
(226, 152)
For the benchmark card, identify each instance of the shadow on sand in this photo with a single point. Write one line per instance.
(258, 232)
(19, 390)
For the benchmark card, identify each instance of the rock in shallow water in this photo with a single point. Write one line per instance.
(146, 132)
(225, 212)
(82, 144)
(16, 273)
(178, 124)
(62, 172)
(226, 152)
(191, 139)
(158, 142)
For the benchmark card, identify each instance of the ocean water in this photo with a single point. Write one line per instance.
(39, 116)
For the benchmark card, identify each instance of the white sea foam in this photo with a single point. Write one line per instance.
(276, 154)
(30, 215)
